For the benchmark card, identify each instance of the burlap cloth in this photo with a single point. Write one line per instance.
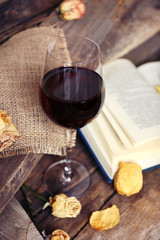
(21, 63)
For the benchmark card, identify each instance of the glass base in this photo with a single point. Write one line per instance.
(76, 185)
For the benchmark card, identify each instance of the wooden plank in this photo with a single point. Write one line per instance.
(138, 22)
(13, 172)
(146, 52)
(35, 180)
(15, 12)
(16, 15)
(140, 210)
(139, 214)
(15, 223)
(93, 198)
(24, 25)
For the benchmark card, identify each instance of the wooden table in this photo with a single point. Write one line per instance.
(131, 31)
(139, 214)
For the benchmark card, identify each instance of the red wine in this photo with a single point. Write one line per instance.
(72, 96)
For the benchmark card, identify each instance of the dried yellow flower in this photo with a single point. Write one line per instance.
(8, 132)
(64, 206)
(71, 9)
(59, 235)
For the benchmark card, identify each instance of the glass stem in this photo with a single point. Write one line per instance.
(71, 133)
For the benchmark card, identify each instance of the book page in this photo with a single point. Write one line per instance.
(121, 132)
(108, 138)
(123, 137)
(132, 101)
(151, 72)
(109, 150)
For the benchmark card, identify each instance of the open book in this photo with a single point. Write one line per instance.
(128, 127)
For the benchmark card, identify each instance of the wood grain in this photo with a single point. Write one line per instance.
(139, 214)
(16, 12)
(35, 180)
(138, 21)
(15, 224)
(13, 172)
(94, 198)
(146, 52)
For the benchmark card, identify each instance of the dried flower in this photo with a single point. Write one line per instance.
(59, 235)
(65, 207)
(71, 9)
(8, 132)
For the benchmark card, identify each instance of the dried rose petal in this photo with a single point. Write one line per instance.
(105, 219)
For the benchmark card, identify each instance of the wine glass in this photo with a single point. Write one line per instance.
(72, 94)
